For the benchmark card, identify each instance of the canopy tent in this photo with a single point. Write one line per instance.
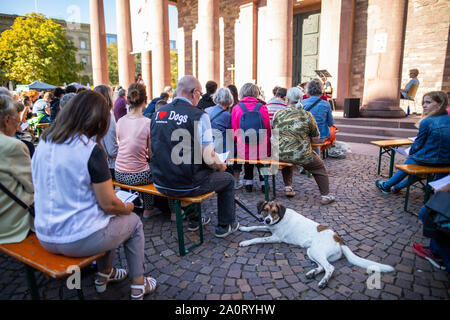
(40, 86)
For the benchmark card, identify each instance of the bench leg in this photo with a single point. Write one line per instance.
(31, 279)
(391, 166)
(379, 160)
(428, 188)
(179, 218)
(407, 192)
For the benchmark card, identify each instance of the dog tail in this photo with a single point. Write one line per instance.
(364, 263)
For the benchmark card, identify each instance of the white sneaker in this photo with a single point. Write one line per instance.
(238, 185)
(327, 199)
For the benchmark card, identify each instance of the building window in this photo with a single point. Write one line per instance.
(83, 44)
(84, 61)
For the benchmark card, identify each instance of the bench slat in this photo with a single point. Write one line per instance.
(151, 189)
(261, 161)
(31, 252)
(392, 143)
(418, 169)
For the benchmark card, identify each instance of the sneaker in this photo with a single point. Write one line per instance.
(380, 185)
(249, 188)
(289, 192)
(395, 189)
(193, 224)
(327, 199)
(222, 232)
(238, 185)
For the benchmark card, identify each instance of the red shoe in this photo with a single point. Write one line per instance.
(425, 252)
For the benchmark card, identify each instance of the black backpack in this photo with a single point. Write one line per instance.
(436, 221)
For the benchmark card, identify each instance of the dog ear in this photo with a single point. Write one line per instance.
(261, 205)
(281, 210)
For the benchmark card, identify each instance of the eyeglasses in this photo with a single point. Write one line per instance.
(195, 89)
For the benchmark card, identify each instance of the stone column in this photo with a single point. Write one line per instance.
(280, 20)
(160, 45)
(342, 87)
(208, 41)
(124, 44)
(245, 31)
(98, 43)
(147, 73)
(385, 42)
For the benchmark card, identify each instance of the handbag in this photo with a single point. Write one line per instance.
(436, 220)
(20, 202)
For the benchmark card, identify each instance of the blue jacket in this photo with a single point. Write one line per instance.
(221, 123)
(151, 108)
(432, 145)
(322, 113)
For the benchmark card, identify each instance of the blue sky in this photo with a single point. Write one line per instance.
(63, 9)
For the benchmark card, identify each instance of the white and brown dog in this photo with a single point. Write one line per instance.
(323, 244)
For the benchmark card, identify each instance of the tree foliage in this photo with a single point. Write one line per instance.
(113, 64)
(174, 68)
(36, 48)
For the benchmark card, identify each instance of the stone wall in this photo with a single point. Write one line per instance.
(427, 46)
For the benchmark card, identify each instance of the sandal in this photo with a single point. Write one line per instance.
(151, 288)
(155, 212)
(289, 191)
(120, 274)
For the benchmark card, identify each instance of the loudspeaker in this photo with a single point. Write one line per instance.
(351, 107)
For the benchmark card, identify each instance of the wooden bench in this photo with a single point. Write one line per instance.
(194, 209)
(386, 147)
(423, 172)
(35, 257)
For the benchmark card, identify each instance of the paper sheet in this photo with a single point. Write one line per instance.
(126, 196)
(438, 184)
(403, 152)
(223, 156)
(412, 139)
(24, 125)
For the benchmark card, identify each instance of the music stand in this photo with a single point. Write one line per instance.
(323, 73)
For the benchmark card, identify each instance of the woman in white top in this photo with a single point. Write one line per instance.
(77, 211)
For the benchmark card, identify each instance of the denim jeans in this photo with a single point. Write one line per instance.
(223, 184)
(399, 178)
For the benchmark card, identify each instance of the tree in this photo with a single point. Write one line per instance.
(36, 48)
(174, 68)
(113, 64)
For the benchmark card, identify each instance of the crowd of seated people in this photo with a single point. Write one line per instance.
(99, 138)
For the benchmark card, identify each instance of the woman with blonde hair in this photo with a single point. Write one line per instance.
(432, 144)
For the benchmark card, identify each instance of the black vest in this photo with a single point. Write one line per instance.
(178, 164)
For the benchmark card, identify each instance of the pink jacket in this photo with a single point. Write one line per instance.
(260, 151)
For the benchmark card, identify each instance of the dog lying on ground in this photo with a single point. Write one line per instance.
(323, 244)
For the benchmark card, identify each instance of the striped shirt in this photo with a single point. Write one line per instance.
(274, 106)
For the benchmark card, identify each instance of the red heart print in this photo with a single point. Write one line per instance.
(162, 114)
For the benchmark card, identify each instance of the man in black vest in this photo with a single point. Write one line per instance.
(184, 163)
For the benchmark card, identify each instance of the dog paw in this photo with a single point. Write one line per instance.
(245, 229)
(310, 275)
(323, 284)
(244, 244)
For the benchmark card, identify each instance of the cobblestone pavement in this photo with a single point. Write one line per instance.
(373, 225)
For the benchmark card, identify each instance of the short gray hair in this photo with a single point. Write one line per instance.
(122, 92)
(7, 107)
(314, 87)
(223, 97)
(5, 91)
(294, 95)
(249, 90)
(66, 99)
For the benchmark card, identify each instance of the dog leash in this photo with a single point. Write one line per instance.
(240, 204)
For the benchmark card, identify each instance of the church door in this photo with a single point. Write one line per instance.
(306, 46)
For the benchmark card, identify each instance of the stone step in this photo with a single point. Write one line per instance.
(377, 131)
(362, 138)
(405, 123)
